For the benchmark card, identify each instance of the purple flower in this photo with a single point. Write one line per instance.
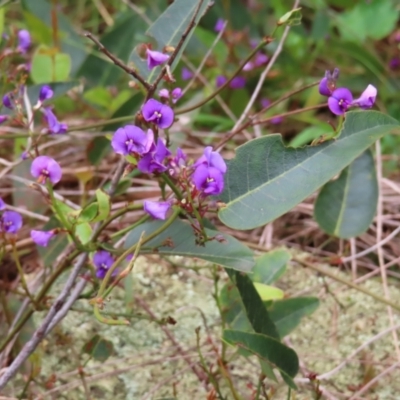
(186, 74)
(41, 238)
(155, 58)
(24, 41)
(394, 63)
(220, 81)
(3, 118)
(131, 139)
(340, 101)
(7, 102)
(2, 204)
(164, 93)
(211, 159)
(328, 84)
(45, 93)
(248, 66)
(54, 125)
(219, 25)
(158, 113)
(103, 261)
(209, 180)
(323, 87)
(44, 167)
(10, 222)
(24, 155)
(367, 98)
(153, 161)
(238, 82)
(176, 94)
(260, 59)
(157, 209)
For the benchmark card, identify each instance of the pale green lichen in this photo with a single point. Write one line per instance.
(143, 351)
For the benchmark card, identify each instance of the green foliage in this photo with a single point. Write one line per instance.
(179, 239)
(267, 179)
(48, 65)
(287, 313)
(346, 206)
(255, 311)
(270, 266)
(268, 349)
(361, 21)
(38, 15)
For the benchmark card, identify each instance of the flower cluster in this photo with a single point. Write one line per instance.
(10, 100)
(197, 180)
(10, 221)
(341, 99)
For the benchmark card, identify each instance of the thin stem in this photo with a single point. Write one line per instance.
(226, 84)
(167, 179)
(132, 249)
(268, 68)
(122, 232)
(61, 216)
(114, 216)
(118, 62)
(230, 135)
(21, 274)
(285, 114)
(283, 98)
(191, 25)
(337, 278)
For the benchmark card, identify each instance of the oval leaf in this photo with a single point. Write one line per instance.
(346, 207)
(268, 292)
(267, 179)
(267, 348)
(270, 266)
(179, 239)
(287, 313)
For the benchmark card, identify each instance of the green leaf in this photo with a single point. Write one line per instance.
(89, 213)
(230, 253)
(50, 66)
(310, 133)
(99, 96)
(267, 348)
(83, 232)
(167, 30)
(103, 201)
(267, 292)
(71, 41)
(287, 313)
(256, 312)
(346, 206)
(98, 348)
(361, 23)
(270, 266)
(267, 179)
(291, 18)
(1, 22)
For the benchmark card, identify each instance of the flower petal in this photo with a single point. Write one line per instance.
(157, 209)
(41, 238)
